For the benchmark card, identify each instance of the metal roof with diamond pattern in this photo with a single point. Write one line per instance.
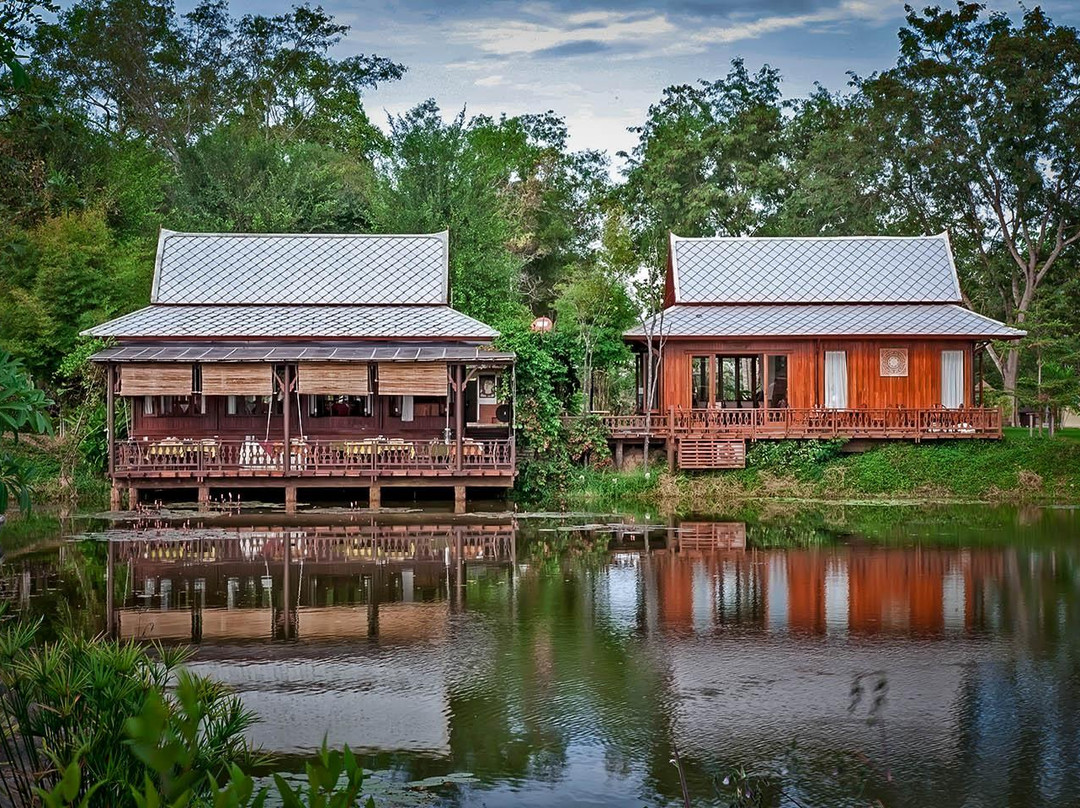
(300, 322)
(830, 320)
(300, 269)
(863, 269)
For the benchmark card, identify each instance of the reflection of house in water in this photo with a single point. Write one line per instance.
(365, 609)
(712, 579)
(230, 584)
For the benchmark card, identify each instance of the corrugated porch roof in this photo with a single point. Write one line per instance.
(302, 353)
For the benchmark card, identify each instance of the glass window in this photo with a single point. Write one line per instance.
(778, 390)
(173, 406)
(952, 379)
(340, 406)
(253, 405)
(699, 382)
(738, 383)
(836, 380)
(749, 380)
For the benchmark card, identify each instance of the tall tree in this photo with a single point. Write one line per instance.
(708, 159)
(437, 177)
(834, 172)
(138, 71)
(980, 121)
(551, 191)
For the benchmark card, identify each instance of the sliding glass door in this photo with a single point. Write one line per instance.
(739, 380)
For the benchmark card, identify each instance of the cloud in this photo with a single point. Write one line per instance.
(490, 81)
(582, 47)
(550, 34)
(845, 11)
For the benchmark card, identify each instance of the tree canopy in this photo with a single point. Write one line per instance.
(118, 117)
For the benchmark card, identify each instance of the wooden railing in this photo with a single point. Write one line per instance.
(894, 422)
(212, 457)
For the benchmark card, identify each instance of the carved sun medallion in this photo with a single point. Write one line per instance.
(894, 361)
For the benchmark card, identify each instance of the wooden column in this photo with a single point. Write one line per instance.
(204, 497)
(618, 455)
(286, 413)
(459, 414)
(982, 353)
(459, 499)
(671, 439)
(286, 591)
(375, 497)
(290, 499)
(133, 497)
(110, 591)
(110, 415)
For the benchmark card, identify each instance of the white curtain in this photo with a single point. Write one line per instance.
(406, 408)
(952, 379)
(836, 380)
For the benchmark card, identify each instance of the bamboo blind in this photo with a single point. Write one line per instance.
(227, 379)
(155, 380)
(412, 379)
(332, 378)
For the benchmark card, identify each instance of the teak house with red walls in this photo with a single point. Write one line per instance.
(290, 361)
(772, 338)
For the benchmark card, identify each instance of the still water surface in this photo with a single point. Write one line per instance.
(908, 656)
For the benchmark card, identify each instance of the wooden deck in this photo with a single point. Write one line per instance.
(778, 424)
(212, 458)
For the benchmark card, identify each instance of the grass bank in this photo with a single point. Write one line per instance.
(1019, 468)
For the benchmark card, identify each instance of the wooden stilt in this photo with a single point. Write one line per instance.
(115, 497)
(459, 499)
(204, 497)
(133, 497)
(618, 455)
(290, 499)
(375, 497)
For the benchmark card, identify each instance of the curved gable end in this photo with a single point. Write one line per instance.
(300, 269)
(863, 269)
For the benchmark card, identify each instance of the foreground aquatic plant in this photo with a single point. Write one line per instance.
(70, 701)
(165, 737)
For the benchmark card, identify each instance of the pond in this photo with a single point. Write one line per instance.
(823, 657)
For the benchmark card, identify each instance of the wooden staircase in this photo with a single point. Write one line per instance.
(695, 453)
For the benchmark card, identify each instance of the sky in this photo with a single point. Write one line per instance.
(601, 63)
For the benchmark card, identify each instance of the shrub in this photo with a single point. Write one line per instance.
(803, 458)
(69, 700)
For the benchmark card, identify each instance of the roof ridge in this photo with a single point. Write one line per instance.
(166, 233)
(877, 237)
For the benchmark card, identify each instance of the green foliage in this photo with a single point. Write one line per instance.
(587, 440)
(439, 176)
(708, 159)
(62, 276)
(803, 458)
(233, 180)
(71, 700)
(22, 410)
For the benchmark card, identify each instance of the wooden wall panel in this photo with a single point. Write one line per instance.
(238, 379)
(333, 378)
(155, 380)
(412, 379)
(921, 388)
